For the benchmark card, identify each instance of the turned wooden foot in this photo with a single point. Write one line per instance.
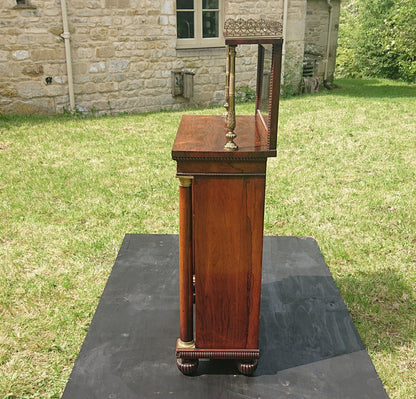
(187, 367)
(247, 367)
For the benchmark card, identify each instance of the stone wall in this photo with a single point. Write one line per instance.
(316, 35)
(30, 51)
(123, 55)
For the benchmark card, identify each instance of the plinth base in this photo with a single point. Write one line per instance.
(187, 358)
(309, 347)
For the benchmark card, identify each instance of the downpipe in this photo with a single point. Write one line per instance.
(328, 43)
(67, 36)
(285, 8)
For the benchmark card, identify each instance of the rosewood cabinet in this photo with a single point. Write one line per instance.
(221, 206)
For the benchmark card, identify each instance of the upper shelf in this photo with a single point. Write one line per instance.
(205, 137)
(202, 137)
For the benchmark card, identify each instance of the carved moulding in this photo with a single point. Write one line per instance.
(252, 28)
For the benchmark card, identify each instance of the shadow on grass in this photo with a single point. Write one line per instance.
(382, 305)
(8, 122)
(373, 88)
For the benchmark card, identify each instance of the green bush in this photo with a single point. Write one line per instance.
(245, 94)
(376, 39)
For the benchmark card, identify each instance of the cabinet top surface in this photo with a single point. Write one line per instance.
(203, 137)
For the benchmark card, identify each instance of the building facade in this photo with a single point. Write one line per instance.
(111, 56)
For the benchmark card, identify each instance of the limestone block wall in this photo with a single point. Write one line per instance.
(295, 42)
(316, 35)
(30, 51)
(123, 55)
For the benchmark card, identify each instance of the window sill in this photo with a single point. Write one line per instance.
(201, 51)
(24, 7)
(207, 43)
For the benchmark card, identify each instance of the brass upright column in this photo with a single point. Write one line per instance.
(230, 92)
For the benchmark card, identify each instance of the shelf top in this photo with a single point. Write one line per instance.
(202, 137)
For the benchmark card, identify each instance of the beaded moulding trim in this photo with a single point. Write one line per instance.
(246, 354)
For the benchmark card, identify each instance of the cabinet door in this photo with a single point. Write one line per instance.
(228, 241)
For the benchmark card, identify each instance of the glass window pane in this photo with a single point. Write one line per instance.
(210, 4)
(184, 4)
(210, 24)
(185, 24)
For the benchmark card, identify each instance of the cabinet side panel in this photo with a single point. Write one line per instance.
(228, 234)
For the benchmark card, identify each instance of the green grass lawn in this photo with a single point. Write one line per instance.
(71, 187)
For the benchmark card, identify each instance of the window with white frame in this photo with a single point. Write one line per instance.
(199, 23)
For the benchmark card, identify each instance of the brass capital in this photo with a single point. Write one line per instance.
(185, 181)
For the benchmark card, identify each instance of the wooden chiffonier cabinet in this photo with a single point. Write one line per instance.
(221, 166)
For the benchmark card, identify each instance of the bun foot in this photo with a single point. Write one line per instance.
(247, 367)
(187, 367)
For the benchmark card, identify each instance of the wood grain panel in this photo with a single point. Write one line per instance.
(228, 239)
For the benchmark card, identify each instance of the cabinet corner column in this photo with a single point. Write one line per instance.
(185, 260)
